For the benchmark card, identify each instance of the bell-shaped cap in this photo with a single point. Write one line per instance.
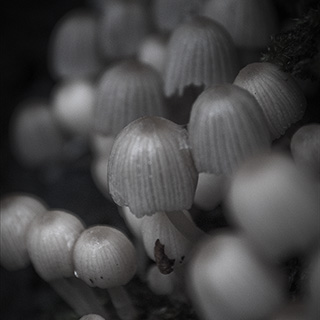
(73, 47)
(280, 97)
(50, 241)
(16, 214)
(227, 280)
(151, 168)
(305, 148)
(200, 53)
(226, 127)
(251, 23)
(127, 91)
(122, 26)
(104, 257)
(276, 205)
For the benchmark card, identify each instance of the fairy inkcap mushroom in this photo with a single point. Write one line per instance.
(127, 91)
(227, 280)
(226, 127)
(276, 205)
(200, 53)
(105, 258)
(151, 168)
(305, 148)
(279, 95)
(17, 212)
(73, 46)
(92, 317)
(50, 240)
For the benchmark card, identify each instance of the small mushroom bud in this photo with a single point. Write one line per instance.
(305, 146)
(280, 97)
(105, 258)
(126, 92)
(200, 53)
(16, 214)
(72, 51)
(276, 205)
(92, 317)
(151, 168)
(226, 127)
(72, 106)
(122, 25)
(228, 281)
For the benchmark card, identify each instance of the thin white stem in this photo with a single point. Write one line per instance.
(122, 303)
(80, 297)
(185, 226)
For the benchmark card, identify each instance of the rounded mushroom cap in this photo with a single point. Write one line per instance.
(127, 91)
(50, 241)
(276, 205)
(279, 95)
(200, 52)
(73, 51)
(228, 281)
(16, 214)
(104, 257)
(151, 168)
(226, 127)
(305, 148)
(72, 103)
(92, 317)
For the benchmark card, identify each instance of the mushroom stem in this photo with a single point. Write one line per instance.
(78, 296)
(122, 303)
(185, 226)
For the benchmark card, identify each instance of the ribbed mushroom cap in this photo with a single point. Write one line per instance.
(16, 214)
(73, 46)
(104, 257)
(127, 91)
(122, 26)
(35, 136)
(151, 168)
(168, 14)
(200, 52)
(276, 205)
(72, 103)
(250, 23)
(226, 127)
(280, 97)
(305, 148)
(228, 281)
(50, 241)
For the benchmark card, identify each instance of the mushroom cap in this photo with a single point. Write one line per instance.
(50, 241)
(200, 53)
(72, 103)
(279, 95)
(127, 91)
(276, 205)
(151, 168)
(92, 317)
(226, 127)
(305, 148)
(73, 46)
(104, 257)
(16, 214)
(228, 281)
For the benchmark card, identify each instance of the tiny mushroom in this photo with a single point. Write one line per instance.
(105, 258)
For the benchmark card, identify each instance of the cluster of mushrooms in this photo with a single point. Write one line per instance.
(178, 112)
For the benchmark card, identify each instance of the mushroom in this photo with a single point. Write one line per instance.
(104, 257)
(200, 53)
(72, 47)
(276, 205)
(92, 317)
(17, 212)
(279, 95)
(226, 127)
(305, 146)
(50, 240)
(227, 280)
